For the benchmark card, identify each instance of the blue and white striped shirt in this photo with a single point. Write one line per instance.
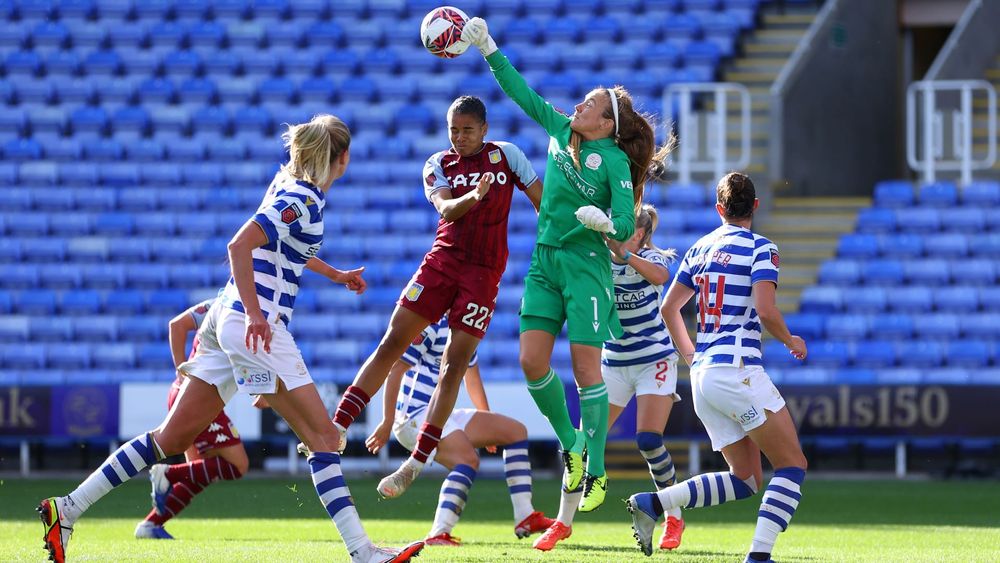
(291, 216)
(424, 354)
(721, 268)
(645, 339)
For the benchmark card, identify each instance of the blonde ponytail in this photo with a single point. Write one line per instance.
(648, 219)
(313, 147)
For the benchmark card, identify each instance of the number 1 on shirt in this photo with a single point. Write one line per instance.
(706, 309)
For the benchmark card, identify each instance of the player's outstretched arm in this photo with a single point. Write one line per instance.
(677, 296)
(350, 278)
(513, 84)
(655, 273)
(178, 330)
(380, 436)
(764, 300)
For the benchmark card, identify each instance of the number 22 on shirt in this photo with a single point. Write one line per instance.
(710, 305)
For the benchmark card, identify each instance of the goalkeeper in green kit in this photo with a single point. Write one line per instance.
(598, 159)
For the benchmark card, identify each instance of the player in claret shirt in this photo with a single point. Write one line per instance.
(471, 186)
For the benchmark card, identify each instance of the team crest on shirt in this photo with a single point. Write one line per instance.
(310, 201)
(290, 214)
(414, 291)
(775, 259)
(593, 161)
(495, 156)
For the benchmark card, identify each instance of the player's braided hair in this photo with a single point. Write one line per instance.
(647, 220)
(469, 105)
(736, 194)
(314, 146)
(636, 139)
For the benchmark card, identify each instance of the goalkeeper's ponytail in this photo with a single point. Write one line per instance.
(314, 147)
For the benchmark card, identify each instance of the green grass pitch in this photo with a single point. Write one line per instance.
(280, 519)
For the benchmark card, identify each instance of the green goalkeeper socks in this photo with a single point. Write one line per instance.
(550, 397)
(594, 421)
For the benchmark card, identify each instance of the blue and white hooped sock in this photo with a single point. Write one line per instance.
(454, 493)
(517, 470)
(126, 462)
(336, 498)
(781, 498)
(661, 465)
(707, 489)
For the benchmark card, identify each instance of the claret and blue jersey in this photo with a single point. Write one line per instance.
(721, 268)
(291, 216)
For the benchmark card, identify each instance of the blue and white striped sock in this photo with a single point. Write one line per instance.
(781, 498)
(517, 470)
(661, 465)
(707, 489)
(127, 461)
(336, 498)
(454, 493)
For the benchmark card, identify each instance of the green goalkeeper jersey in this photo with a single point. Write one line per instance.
(603, 179)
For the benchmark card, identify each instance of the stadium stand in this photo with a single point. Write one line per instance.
(136, 139)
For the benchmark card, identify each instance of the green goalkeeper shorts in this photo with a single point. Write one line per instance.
(570, 285)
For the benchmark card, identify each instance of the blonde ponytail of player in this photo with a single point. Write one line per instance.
(314, 147)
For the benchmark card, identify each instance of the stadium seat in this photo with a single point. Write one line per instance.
(59, 276)
(821, 299)
(858, 246)
(946, 245)
(921, 354)
(101, 276)
(884, 272)
(829, 354)
(970, 354)
(956, 299)
(867, 300)
(983, 194)
(839, 272)
(96, 329)
(142, 329)
(874, 354)
(974, 272)
(897, 326)
(911, 299)
(927, 272)
(23, 356)
(65, 355)
(14, 328)
(985, 325)
(876, 220)
(904, 245)
(945, 376)
(846, 327)
(940, 326)
(894, 193)
(939, 194)
(80, 302)
(113, 356)
(963, 219)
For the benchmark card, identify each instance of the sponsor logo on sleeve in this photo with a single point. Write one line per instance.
(290, 214)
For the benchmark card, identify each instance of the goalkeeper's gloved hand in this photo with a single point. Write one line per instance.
(595, 219)
(477, 33)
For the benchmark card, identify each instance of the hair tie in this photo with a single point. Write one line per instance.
(614, 107)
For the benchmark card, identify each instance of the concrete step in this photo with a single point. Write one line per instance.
(993, 74)
(769, 49)
(801, 20)
(821, 204)
(754, 77)
(777, 36)
(762, 63)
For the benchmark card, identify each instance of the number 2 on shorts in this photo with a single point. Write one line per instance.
(470, 318)
(706, 309)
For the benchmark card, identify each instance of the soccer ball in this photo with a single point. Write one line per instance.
(441, 32)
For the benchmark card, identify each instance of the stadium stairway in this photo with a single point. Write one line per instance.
(623, 460)
(807, 231)
(764, 53)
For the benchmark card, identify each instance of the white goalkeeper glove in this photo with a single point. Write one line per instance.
(595, 219)
(477, 32)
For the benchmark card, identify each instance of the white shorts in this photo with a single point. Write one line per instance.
(731, 401)
(222, 358)
(407, 429)
(656, 378)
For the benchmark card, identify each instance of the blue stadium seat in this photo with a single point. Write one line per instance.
(197, 91)
(963, 219)
(65, 355)
(940, 326)
(189, 276)
(974, 272)
(101, 276)
(904, 245)
(80, 302)
(981, 325)
(839, 272)
(918, 220)
(970, 353)
(892, 326)
(113, 356)
(985, 245)
(894, 193)
(154, 355)
(21, 276)
(146, 276)
(167, 301)
(337, 352)
(982, 193)
(20, 150)
(59, 276)
(45, 250)
(237, 90)
(130, 250)
(874, 354)
(206, 34)
(911, 299)
(143, 329)
(849, 376)
(96, 329)
(23, 356)
(14, 328)
(876, 220)
(884, 272)
(830, 354)
(858, 246)
(939, 194)
(846, 327)
(821, 299)
(946, 376)
(927, 272)
(867, 300)
(921, 354)
(956, 299)
(946, 245)
(40, 302)
(23, 64)
(141, 62)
